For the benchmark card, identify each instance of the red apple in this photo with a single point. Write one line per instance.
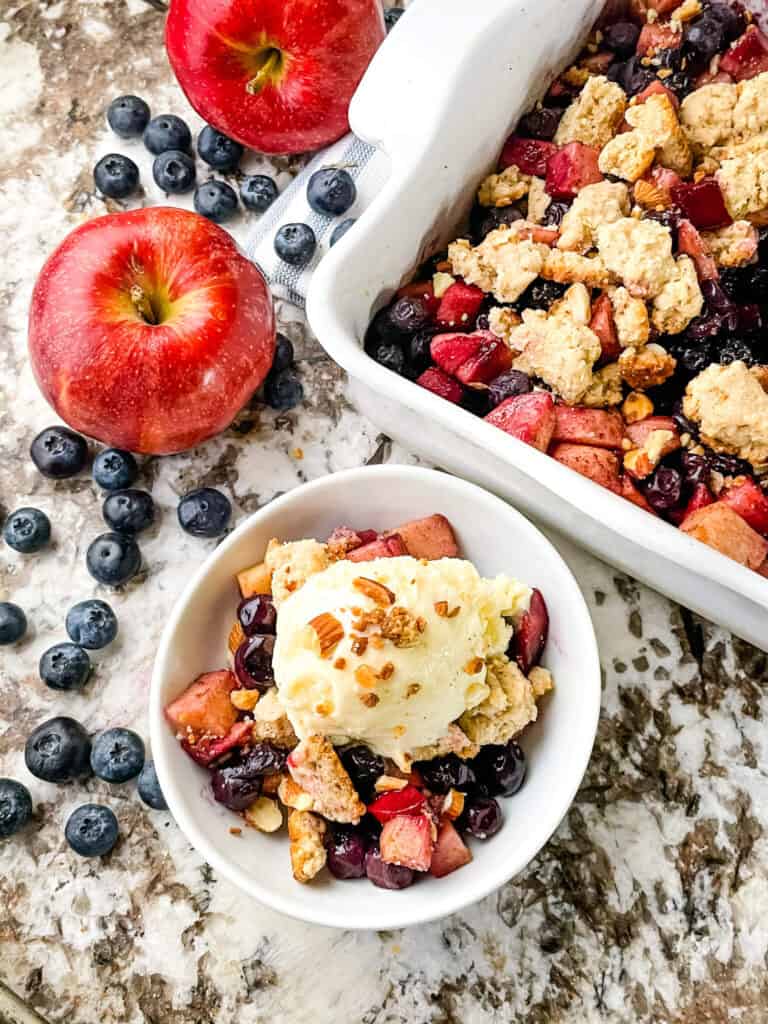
(277, 75)
(149, 331)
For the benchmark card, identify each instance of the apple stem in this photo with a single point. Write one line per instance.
(272, 60)
(141, 303)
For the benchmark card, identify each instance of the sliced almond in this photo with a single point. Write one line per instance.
(236, 637)
(651, 196)
(264, 814)
(453, 804)
(329, 632)
(389, 784)
(375, 591)
(245, 700)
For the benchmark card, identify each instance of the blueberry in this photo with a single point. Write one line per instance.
(500, 769)
(555, 212)
(13, 623)
(204, 512)
(341, 229)
(476, 400)
(419, 351)
(541, 294)
(258, 192)
(92, 624)
(621, 37)
(218, 150)
(27, 530)
(386, 876)
(91, 830)
(705, 37)
(257, 614)
(736, 348)
(283, 390)
(59, 452)
(65, 667)
(449, 772)
(113, 559)
(540, 123)
(331, 191)
(391, 356)
(59, 750)
(166, 131)
(128, 511)
(149, 788)
(665, 489)
(216, 200)
(729, 17)
(236, 786)
(253, 663)
(508, 385)
(484, 219)
(409, 314)
(15, 807)
(127, 116)
(729, 465)
(632, 75)
(114, 469)
(174, 171)
(391, 16)
(482, 817)
(346, 852)
(117, 755)
(363, 767)
(116, 176)
(295, 244)
(695, 468)
(284, 356)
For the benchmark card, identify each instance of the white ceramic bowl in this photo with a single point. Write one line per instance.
(497, 539)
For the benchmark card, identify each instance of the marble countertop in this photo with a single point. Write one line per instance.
(650, 903)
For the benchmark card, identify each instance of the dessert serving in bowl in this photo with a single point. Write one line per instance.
(590, 341)
(396, 666)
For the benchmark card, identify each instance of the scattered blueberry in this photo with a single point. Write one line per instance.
(253, 663)
(482, 817)
(449, 772)
(331, 191)
(117, 755)
(114, 469)
(174, 171)
(148, 786)
(92, 624)
(390, 355)
(91, 830)
(204, 512)
(27, 530)
(13, 623)
(283, 390)
(218, 150)
(621, 37)
(127, 116)
(295, 243)
(15, 807)
(128, 511)
(257, 614)
(363, 767)
(59, 452)
(409, 314)
(258, 192)
(283, 357)
(540, 123)
(507, 385)
(386, 876)
(113, 559)
(167, 132)
(341, 229)
(216, 200)
(391, 16)
(729, 465)
(65, 667)
(116, 176)
(346, 852)
(59, 750)
(500, 769)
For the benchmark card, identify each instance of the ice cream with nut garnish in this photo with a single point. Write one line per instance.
(391, 652)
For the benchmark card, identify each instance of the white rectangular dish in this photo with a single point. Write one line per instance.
(439, 99)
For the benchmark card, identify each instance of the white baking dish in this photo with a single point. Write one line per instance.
(439, 98)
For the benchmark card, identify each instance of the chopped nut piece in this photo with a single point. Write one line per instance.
(245, 700)
(650, 196)
(399, 730)
(365, 676)
(375, 591)
(474, 666)
(256, 580)
(369, 699)
(646, 367)
(541, 680)
(413, 689)
(376, 641)
(389, 784)
(236, 637)
(234, 831)
(306, 832)
(387, 670)
(264, 814)
(453, 804)
(330, 633)
(358, 645)
(340, 663)
(441, 608)
(324, 708)
(636, 407)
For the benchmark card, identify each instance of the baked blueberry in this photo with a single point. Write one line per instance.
(148, 787)
(114, 469)
(218, 150)
(116, 176)
(128, 511)
(15, 807)
(216, 200)
(331, 191)
(257, 614)
(13, 623)
(705, 36)
(92, 624)
(59, 452)
(283, 354)
(258, 192)
(174, 171)
(507, 385)
(500, 769)
(91, 830)
(253, 663)
(621, 37)
(283, 390)
(482, 817)
(27, 530)
(390, 355)
(341, 229)
(295, 244)
(127, 116)
(540, 123)
(204, 512)
(409, 314)
(113, 558)
(363, 767)
(65, 667)
(58, 750)
(384, 875)
(166, 131)
(449, 772)
(346, 852)
(117, 755)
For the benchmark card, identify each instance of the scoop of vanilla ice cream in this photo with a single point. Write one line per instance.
(390, 652)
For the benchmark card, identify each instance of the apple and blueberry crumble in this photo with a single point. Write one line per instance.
(607, 303)
(377, 689)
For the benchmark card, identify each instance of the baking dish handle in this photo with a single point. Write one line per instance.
(404, 85)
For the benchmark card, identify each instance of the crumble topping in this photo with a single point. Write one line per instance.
(503, 321)
(646, 367)
(734, 245)
(680, 300)
(560, 351)
(602, 203)
(504, 188)
(639, 252)
(315, 767)
(572, 268)
(630, 316)
(306, 832)
(504, 263)
(707, 115)
(731, 408)
(538, 201)
(743, 179)
(455, 742)
(657, 119)
(292, 564)
(594, 117)
(605, 389)
(508, 708)
(627, 156)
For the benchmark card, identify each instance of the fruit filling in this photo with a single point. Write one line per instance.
(608, 301)
(376, 692)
